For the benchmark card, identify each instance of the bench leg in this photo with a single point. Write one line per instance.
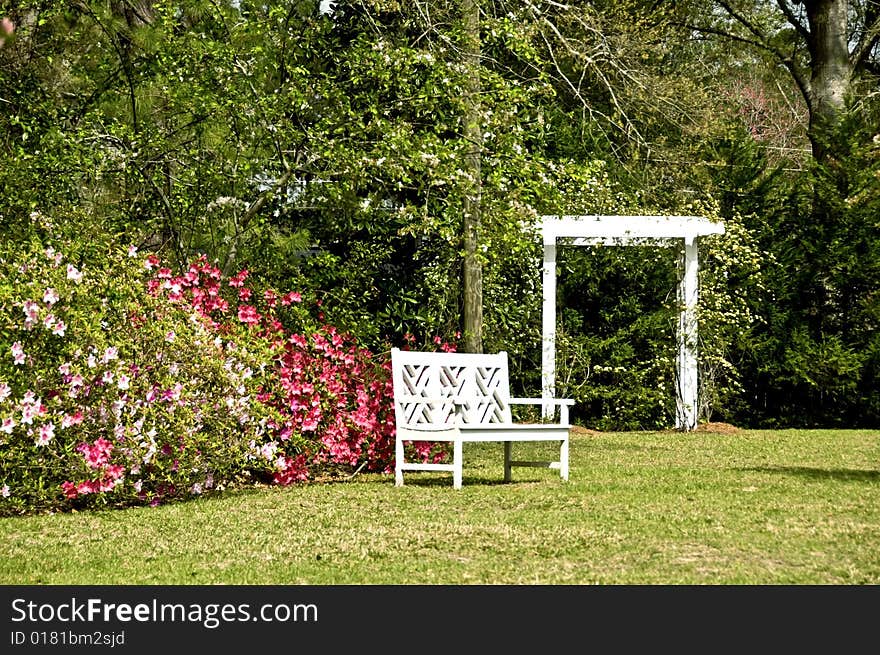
(456, 464)
(398, 462)
(563, 460)
(507, 461)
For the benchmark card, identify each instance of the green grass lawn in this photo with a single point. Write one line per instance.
(750, 507)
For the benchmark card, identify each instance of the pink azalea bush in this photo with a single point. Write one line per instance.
(330, 393)
(123, 382)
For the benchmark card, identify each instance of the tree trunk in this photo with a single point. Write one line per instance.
(830, 69)
(472, 270)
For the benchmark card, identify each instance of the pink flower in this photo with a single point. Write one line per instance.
(5, 391)
(31, 311)
(132, 251)
(110, 354)
(97, 454)
(28, 412)
(64, 369)
(72, 419)
(238, 280)
(87, 487)
(151, 263)
(172, 395)
(17, 353)
(248, 314)
(70, 490)
(4, 491)
(123, 382)
(8, 425)
(49, 321)
(47, 432)
(291, 470)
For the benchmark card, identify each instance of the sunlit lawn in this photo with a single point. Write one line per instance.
(749, 507)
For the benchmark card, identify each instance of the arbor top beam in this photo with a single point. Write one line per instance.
(606, 229)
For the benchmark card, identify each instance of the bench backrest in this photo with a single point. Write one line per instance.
(456, 388)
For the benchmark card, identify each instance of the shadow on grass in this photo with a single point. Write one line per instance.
(466, 482)
(840, 475)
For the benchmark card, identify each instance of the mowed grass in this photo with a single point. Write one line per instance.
(749, 507)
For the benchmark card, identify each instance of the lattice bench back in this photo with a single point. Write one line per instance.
(439, 389)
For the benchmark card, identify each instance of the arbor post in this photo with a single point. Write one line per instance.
(548, 330)
(686, 363)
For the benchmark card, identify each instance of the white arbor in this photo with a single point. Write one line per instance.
(631, 230)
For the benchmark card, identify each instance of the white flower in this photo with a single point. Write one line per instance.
(74, 274)
(50, 297)
(268, 450)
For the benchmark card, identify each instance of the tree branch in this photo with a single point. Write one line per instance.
(792, 18)
(760, 42)
(866, 44)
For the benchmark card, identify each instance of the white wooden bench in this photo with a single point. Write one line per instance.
(458, 397)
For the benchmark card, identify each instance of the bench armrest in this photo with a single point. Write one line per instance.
(562, 403)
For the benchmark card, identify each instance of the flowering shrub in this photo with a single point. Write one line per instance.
(122, 382)
(109, 394)
(332, 394)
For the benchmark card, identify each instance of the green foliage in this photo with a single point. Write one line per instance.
(616, 342)
(810, 358)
